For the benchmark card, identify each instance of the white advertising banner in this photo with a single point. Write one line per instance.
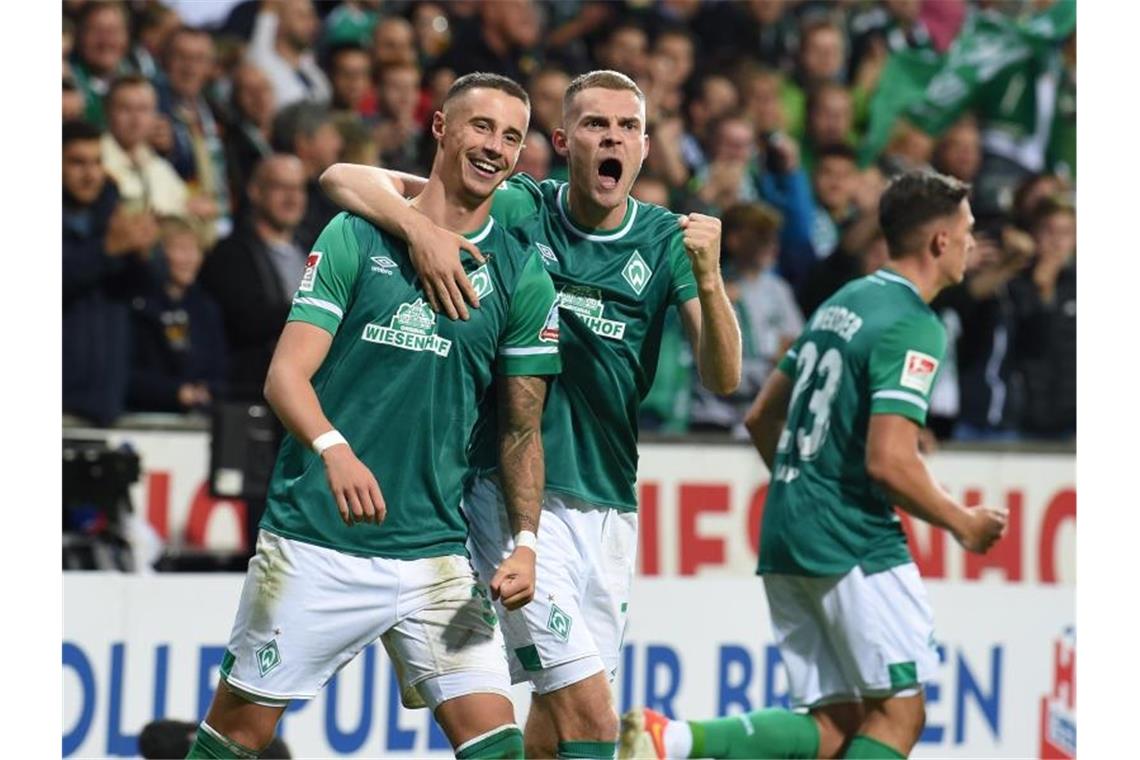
(137, 648)
(700, 507)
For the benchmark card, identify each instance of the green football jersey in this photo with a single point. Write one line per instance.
(872, 348)
(404, 385)
(614, 288)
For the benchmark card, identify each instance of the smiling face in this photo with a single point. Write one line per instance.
(480, 134)
(605, 141)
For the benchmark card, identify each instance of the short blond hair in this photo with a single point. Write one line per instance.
(604, 79)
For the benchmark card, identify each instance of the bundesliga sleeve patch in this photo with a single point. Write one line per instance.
(549, 331)
(918, 371)
(309, 278)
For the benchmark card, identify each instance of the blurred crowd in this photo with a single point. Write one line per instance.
(194, 133)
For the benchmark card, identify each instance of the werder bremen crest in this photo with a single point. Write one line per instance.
(481, 282)
(637, 272)
(587, 303)
(413, 328)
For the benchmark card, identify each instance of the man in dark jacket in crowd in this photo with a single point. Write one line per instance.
(1045, 309)
(104, 266)
(178, 362)
(254, 272)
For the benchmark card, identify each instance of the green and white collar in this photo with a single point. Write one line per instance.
(602, 236)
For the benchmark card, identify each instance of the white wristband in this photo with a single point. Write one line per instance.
(328, 440)
(528, 539)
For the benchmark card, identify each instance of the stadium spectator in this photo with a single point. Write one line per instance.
(736, 174)
(254, 272)
(393, 42)
(145, 180)
(535, 156)
(959, 152)
(830, 121)
(766, 309)
(834, 181)
(250, 132)
(101, 45)
(432, 32)
(504, 42)
(350, 72)
(400, 135)
(1045, 309)
(760, 92)
(154, 26)
(670, 66)
(105, 250)
(545, 89)
(763, 31)
(981, 332)
(625, 48)
(822, 59)
(178, 346)
(712, 97)
(359, 143)
(307, 131)
(195, 143)
(282, 47)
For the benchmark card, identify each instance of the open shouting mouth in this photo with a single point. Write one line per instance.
(609, 173)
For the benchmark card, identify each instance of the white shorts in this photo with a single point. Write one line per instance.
(307, 611)
(575, 625)
(850, 637)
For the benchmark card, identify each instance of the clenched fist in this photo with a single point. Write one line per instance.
(981, 529)
(701, 238)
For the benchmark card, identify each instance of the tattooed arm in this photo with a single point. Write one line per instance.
(522, 472)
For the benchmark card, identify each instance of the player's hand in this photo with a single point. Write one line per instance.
(981, 528)
(353, 486)
(513, 583)
(701, 238)
(433, 251)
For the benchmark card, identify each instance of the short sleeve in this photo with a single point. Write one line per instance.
(530, 342)
(903, 366)
(330, 274)
(787, 363)
(516, 199)
(683, 286)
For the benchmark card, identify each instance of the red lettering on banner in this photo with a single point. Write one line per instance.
(1064, 673)
(755, 517)
(697, 550)
(1006, 553)
(647, 527)
(931, 562)
(202, 507)
(1061, 509)
(158, 502)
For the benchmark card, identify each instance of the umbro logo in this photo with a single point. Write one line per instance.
(547, 252)
(384, 265)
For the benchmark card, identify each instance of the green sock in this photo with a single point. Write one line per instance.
(208, 743)
(504, 743)
(587, 750)
(764, 733)
(866, 748)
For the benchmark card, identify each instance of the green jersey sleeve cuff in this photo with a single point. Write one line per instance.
(535, 361)
(903, 403)
(324, 314)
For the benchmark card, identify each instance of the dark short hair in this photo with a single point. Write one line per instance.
(77, 130)
(760, 219)
(1047, 207)
(912, 200)
(346, 47)
(127, 80)
(836, 150)
(302, 118)
(485, 80)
